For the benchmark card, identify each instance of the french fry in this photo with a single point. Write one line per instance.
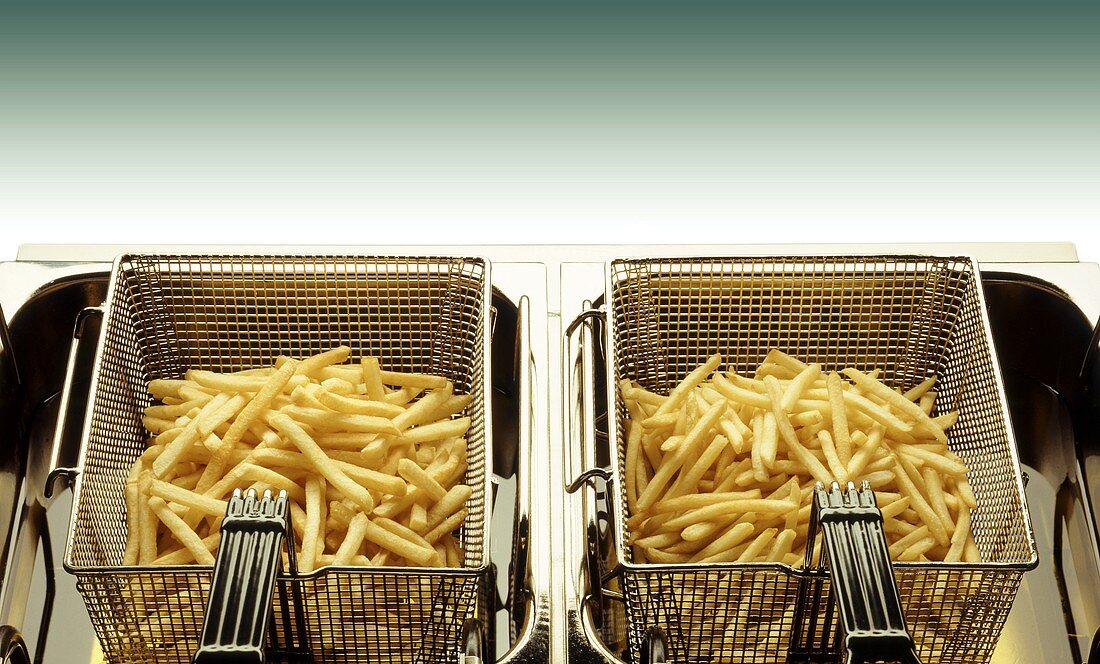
(292, 430)
(762, 540)
(394, 543)
(346, 404)
(316, 362)
(896, 400)
(133, 526)
(416, 475)
(841, 435)
(783, 429)
(446, 526)
(372, 378)
(357, 531)
(423, 411)
(435, 431)
(191, 499)
(322, 431)
(311, 537)
(426, 381)
(797, 386)
(333, 421)
(183, 534)
(633, 447)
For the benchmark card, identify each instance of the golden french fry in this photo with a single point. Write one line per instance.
(633, 446)
(917, 392)
(409, 535)
(917, 549)
(743, 505)
(689, 480)
(416, 475)
(841, 432)
(395, 544)
(782, 545)
(372, 378)
(971, 554)
(435, 431)
(147, 523)
(446, 526)
(333, 421)
(133, 526)
(211, 435)
(792, 364)
(759, 471)
(191, 499)
(782, 430)
(681, 391)
(292, 430)
(316, 362)
(425, 381)
(347, 404)
(721, 550)
(183, 534)
(762, 540)
(873, 386)
(357, 531)
(966, 494)
(796, 387)
(311, 537)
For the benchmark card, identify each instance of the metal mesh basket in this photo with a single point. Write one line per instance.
(911, 316)
(171, 313)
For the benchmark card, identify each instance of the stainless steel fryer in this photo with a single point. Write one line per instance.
(911, 316)
(1042, 303)
(169, 313)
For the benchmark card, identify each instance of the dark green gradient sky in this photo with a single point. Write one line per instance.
(819, 85)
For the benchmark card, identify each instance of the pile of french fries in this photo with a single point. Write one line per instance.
(722, 468)
(372, 461)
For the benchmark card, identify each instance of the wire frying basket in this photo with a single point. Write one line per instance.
(911, 316)
(170, 313)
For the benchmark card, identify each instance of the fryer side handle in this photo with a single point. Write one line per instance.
(521, 557)
(58, 473)
(238, 610)
(13, 650)
(865, 589)
(580, 421)
(580, 408)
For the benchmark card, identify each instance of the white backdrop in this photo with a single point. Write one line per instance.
(543, 205)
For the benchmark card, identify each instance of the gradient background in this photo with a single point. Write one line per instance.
(549, 122)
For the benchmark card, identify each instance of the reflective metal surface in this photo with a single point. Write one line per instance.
(557, 627)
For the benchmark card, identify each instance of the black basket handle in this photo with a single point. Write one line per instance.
(239, 608)
(862, 575)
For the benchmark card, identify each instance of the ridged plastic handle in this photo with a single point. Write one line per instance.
(864, 587)
(239, 607)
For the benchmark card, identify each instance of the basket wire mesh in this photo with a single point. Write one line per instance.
(912, 317)
(168, 314)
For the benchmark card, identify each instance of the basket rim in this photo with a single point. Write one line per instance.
(713, 265)
(484, 385)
